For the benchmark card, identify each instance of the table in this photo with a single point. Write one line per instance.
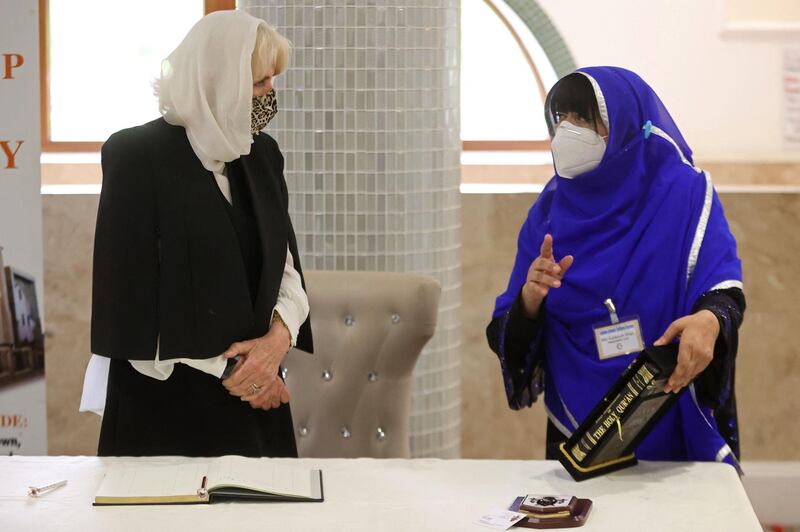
(403, 495)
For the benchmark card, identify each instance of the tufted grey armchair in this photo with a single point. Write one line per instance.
(351, 398)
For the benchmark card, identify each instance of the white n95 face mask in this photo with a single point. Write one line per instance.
(576, 150)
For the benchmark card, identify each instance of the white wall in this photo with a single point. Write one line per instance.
(724, 92)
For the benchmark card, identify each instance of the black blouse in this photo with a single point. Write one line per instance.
(174, 264)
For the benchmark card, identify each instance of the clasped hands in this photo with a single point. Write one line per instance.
(255, 377)
(697, 332)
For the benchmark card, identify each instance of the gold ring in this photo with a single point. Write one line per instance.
(254, 388)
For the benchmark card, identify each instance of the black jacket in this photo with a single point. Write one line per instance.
(167, 266)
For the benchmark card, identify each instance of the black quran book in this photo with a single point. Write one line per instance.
(607, 438)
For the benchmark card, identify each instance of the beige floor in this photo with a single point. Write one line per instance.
(769, 366)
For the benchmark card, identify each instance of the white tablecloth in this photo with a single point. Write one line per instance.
(403, 495)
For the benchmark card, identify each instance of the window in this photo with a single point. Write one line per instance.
(505, 76)
(99, 58)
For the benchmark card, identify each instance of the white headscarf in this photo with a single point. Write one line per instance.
(206, 86)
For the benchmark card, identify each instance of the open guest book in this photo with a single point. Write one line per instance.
(203, 481)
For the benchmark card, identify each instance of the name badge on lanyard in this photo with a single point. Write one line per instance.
(618, 338)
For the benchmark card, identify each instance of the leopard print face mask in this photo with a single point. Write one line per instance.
(264, 109)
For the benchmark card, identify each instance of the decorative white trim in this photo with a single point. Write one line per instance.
(723, 452)
(700, 232)
(601, 99)
(655, 130)
(728, 284)
(694, 398)
(567, 412)
(560, 426)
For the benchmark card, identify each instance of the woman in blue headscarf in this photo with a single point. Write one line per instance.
(627, 217)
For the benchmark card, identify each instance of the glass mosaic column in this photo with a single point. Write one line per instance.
(369, 128)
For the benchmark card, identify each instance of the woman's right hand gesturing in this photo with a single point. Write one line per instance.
(545, 273)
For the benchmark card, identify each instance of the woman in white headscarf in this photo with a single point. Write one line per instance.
(197, 290)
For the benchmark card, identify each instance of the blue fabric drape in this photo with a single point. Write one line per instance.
(647, 230)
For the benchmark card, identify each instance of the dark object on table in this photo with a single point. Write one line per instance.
(575, 517)
(607, 438)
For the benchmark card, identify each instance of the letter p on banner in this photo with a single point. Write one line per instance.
(10, 62)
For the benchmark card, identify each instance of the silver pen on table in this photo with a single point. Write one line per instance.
(35, 492)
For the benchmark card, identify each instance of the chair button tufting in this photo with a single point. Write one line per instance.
(327, 375)
(380, 434)
(345, 432)
(303, 431)
(395, 318)
(372, 377)
(348, 320)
